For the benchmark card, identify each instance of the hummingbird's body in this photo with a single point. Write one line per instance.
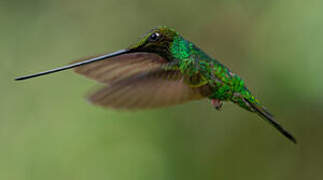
(199, 70)
(164, 69)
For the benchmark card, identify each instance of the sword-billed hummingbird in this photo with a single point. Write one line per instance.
(164, 69)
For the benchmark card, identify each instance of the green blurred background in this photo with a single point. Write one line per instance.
(48, 131)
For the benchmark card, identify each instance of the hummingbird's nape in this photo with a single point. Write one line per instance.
(88, 61)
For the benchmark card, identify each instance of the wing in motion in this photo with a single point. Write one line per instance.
(138, 81)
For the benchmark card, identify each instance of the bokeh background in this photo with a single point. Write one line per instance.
(48, 131)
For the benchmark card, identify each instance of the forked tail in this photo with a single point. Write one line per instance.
(261, 111)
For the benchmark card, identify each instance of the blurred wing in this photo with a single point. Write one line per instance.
(151, 90)
(121, 67)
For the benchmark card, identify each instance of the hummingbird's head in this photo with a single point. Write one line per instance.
(159, 40)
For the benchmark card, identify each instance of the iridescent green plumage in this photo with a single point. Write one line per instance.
(164, 69)
(200, 70)
(193, 62)
(225, 85)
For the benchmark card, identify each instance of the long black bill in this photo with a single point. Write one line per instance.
(99, 58)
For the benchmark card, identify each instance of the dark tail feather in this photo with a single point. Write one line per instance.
(267, 116)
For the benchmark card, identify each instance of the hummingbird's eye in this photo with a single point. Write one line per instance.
(154, 37)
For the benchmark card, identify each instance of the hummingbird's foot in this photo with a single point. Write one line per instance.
(217, 104)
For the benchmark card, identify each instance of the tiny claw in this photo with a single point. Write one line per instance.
(217, 104)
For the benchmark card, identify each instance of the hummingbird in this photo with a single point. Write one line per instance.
(164, 69)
